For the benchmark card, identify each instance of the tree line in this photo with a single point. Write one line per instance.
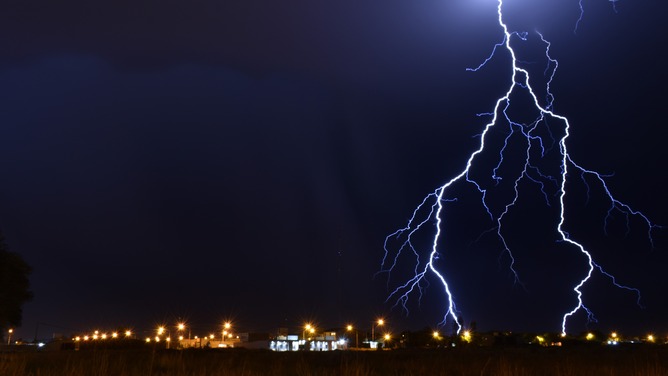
(14, 287)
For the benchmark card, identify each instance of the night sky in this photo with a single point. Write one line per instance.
(244, 160)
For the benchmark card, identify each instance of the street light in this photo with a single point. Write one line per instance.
(350, 328)
(161, 331)
(226, 330)
(466, 336)
(180, 327)
(307, 328)
(386, 341)
(9, 337)
(379, 322)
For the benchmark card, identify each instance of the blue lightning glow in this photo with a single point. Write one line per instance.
(430, 210)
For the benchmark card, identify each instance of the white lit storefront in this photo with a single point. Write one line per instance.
(321, 343)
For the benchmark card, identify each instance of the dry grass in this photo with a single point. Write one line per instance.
(636, 361)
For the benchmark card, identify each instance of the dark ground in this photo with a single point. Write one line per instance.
(634, 360)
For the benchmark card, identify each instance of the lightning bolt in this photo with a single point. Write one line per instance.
(539, 139)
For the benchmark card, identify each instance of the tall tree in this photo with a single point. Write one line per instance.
(14, 287)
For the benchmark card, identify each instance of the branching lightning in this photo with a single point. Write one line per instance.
(430, 212)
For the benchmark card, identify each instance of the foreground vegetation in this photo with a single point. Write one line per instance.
(635, 360)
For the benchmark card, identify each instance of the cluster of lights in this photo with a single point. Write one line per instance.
(375, 324)
(615, 338)
(97, 335)
(161, 331)
(163, 334)
(612, 339)
(311, 335)
(308, 329)
(466, 336)
(227, 333)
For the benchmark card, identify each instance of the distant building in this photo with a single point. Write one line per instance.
(327, 341)
(208, 343)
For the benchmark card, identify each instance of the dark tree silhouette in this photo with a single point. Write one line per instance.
(14, 287)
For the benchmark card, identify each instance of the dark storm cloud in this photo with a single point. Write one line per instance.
(226, 152)
(345, 42)
(190, 171)
(250, 34)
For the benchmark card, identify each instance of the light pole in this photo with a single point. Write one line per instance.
(311, 330)
(226, 330)
(180, 327)
(307, 327)
(379, 322)
(437, 337)
(161, 331)
(350, 328)
(386, 339)
(9, 337)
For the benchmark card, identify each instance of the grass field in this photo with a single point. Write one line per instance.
(633, 361)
